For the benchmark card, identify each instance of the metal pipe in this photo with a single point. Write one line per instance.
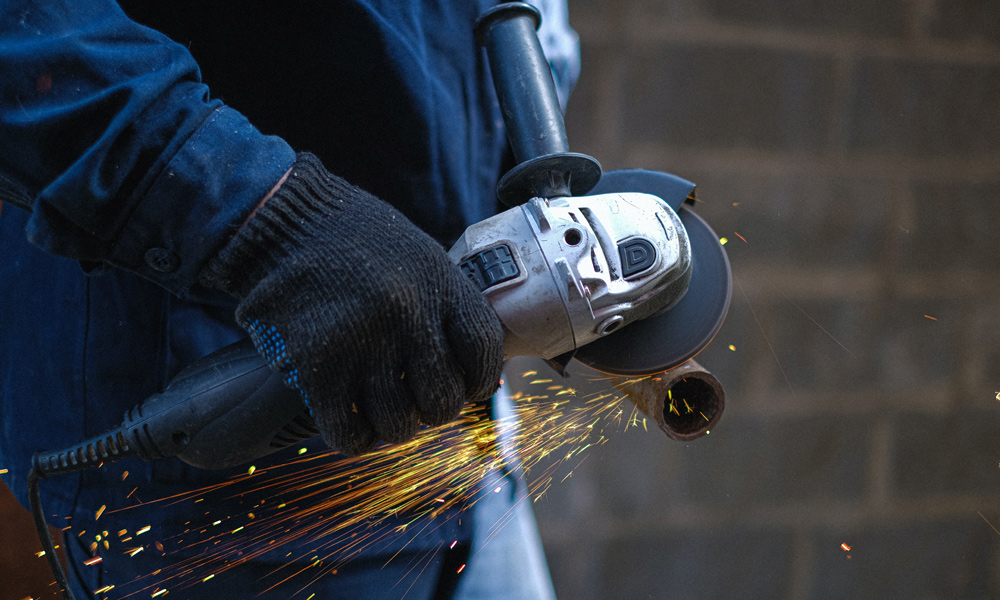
(685, 401)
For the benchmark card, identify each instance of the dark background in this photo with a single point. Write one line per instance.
(855, 145)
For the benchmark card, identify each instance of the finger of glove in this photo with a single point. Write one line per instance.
(338, 415)
(475, 336)
(437, 384)
(390, 407)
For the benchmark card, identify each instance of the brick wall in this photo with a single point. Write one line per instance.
(856, 146)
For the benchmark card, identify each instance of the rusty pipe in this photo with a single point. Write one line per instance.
(685, 401)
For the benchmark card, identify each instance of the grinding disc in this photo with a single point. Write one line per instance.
(668, 339)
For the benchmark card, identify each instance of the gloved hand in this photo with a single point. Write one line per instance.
(361, 310)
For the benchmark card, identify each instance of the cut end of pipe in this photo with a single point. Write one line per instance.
(686, 401)
(692, 407)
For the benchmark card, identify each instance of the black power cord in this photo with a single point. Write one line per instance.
(35, 502)
(110, 446)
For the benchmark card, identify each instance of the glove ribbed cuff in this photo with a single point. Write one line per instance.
(309, 196)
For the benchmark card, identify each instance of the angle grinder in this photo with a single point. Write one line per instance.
(611, 269)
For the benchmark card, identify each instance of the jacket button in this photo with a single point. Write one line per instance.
(162, 260)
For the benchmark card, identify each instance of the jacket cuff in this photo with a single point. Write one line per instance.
(200, 200)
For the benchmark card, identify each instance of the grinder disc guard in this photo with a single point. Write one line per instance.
(668, 339)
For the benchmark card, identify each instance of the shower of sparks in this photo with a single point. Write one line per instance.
(331, 505)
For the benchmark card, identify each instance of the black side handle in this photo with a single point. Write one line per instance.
(530, 108)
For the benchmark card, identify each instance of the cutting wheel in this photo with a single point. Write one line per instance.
(667, 340)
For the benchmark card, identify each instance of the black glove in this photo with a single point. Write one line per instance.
(362, 311)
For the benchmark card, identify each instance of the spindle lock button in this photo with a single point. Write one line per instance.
(637, 255)
(490, 267)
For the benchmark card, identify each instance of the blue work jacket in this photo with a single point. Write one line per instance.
(129, 153)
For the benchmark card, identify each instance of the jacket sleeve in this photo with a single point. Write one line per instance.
(109, 137)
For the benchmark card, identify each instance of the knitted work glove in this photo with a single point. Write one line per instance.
(361, 311)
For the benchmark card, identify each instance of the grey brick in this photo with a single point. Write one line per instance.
(760, 462)
(724, 563)
(829, 345)
(890, 345)
(584, 116)
(575, 570)
(912, 350)
(923, 109)
(956, 227)
(946, 454)
(873, 19)
(798, 219)
(711, 97)
(941, 560)
(966, 20)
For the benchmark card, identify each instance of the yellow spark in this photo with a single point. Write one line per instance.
(207, 578)
(2, 471)
(529, 373)
(40, 553)
(134, 551)
(93, 547)
(644, 424)
(93, 561)
(706, 418)
(447, 467)
(687, 406)
(732, 347)
(159, 592)
(251, 470)
(302, 450)
(723, 241)
(311, 596)
(237, 529)
(143, 530)
(100, 511)
(124, 475)
(107, 546)
(106, 588)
